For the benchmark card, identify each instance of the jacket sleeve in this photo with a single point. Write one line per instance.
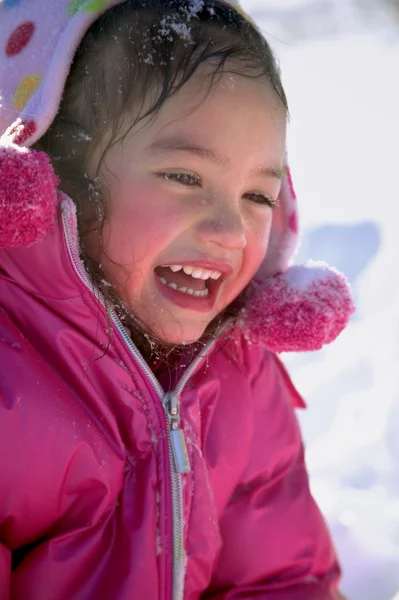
(275, 543)
(5, 572)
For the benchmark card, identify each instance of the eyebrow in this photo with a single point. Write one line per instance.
(176, 144)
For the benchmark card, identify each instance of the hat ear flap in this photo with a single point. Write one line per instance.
(284, 233)
(28, 190)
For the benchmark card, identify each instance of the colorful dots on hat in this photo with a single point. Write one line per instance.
(19, 38)
(85, 6)
(21, 131)
(293, 222)
(25, 90)
(11, 3)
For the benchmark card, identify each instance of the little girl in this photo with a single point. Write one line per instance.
(149, 447)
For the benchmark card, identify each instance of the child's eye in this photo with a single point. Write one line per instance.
(260, 198)
(188, 179)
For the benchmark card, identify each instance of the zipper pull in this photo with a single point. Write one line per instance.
(176, 433)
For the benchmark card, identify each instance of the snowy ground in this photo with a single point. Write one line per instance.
(340, 69)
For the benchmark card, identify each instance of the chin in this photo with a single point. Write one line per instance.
(176, 333)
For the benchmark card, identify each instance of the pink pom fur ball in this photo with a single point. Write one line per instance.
(28, 196)
(300, 310)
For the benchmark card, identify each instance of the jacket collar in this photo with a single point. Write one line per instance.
(46, 268)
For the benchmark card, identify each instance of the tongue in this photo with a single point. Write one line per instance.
(180, 278)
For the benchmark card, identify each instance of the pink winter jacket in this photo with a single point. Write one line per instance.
(92, 506)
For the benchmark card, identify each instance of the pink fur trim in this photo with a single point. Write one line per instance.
(300, 310)
(28, 196)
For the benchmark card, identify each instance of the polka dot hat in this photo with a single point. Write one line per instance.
(38, 40)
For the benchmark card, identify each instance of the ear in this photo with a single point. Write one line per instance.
(302, 309)
(28, 194)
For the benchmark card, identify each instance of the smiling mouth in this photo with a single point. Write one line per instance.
(189, 280)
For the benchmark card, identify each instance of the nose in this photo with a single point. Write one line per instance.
(225, 228)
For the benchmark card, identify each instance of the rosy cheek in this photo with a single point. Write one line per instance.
(132, 210)
(141, 222)
(261, 235)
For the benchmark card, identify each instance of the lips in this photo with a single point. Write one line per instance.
(185, 300)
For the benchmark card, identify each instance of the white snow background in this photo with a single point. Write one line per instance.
(340, 67)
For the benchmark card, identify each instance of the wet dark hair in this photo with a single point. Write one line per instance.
(132, 59)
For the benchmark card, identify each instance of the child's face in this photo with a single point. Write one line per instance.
(191, 188)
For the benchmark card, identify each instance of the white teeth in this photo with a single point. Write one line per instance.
(200, 293)
(175, 268)
(184, 290)
(199, 274)
(215, 275)
(188, 270)
(196, 272)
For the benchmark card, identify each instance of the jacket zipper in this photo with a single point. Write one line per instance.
(177, 449)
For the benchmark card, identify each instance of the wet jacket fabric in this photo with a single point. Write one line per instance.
(91, 504)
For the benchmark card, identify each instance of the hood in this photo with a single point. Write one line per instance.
(39, 51)
(39, 39)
